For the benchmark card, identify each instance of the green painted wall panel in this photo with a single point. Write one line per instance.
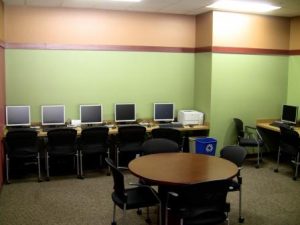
(293, 95)
(249, 87)
(202, 85)
(37, 77)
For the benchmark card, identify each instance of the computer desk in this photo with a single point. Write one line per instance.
(114, 130)
(270, 134)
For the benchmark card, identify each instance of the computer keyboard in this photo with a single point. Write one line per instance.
(128, 125)
(170, 125)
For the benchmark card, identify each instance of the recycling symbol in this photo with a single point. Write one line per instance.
(209, 148)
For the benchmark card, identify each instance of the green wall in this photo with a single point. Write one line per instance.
(249, 87)
(37, 77)
(202, 86)
(293, 94)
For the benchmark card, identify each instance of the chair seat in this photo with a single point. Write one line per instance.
(138, 197)
(131, 147)
(250, 142)
(93, 148)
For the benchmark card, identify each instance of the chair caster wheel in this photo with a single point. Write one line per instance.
(39, 180)
(241, 220)
(139, 212)
(276, 170)
(113, 223)
(294, 178)
(107, 174)
(47, 178)
(257, 166)
(148, 220)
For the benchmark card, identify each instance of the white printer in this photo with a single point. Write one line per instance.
(190, 117)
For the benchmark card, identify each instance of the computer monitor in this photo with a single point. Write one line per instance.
(91, 114)
(18, 115)
(289, 114)
(125, 112)
(163, 112)
(53, 114)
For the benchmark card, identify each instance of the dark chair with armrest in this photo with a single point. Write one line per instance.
(237, 155)
(168, 133)
(22, 144)
(61, 143)
(133, 198)
(201, 204)
(93, 141)
(129, 142)
(249, 137)
(290, 144)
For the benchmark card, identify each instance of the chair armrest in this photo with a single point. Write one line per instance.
(146, 186)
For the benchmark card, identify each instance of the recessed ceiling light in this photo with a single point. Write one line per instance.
(243, 6)
(126, 0)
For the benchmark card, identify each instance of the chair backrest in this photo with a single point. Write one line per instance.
(239, 125)
(209, 195)
(289, 139)
(118, 177)
(132, 134)
(94, 135)
(62, 137)
(168, 133)
(159, 145)
(21, 140)
(235, 154)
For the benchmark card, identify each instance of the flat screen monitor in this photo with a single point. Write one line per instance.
(53, 114)
(18, 115)
(289, 114)
(91, 114)
(163, 112)
(125, 112)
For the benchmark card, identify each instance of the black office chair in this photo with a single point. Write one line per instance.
(134, 198)
(168, 133)
(93, 141)
(249, 137)
(22, 144)
(129, 142)
(200, 204)
(61, 143)
(237, 155)
(290, 144)
(159, 145)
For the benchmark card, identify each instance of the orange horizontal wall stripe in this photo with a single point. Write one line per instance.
(212, 49)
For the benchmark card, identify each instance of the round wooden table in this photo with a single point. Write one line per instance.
(182, 168)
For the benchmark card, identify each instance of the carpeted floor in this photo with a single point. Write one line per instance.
(268, 199)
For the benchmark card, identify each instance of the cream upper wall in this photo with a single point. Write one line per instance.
(250, 31)
(204, 30)
(295, 34)
(97, 27)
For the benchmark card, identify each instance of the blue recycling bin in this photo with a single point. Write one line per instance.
(206, 146)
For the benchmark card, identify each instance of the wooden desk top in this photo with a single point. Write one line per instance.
(114, 131)
(266, 125)
(182, 168)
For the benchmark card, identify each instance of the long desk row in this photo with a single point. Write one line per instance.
(114, 130)
(266, 124)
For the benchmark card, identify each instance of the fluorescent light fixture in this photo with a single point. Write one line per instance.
(243, 6)
(126, 0)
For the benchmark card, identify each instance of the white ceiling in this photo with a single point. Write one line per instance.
(290, 8)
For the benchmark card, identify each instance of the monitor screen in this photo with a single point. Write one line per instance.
(289, 114)
(125, 112)
(18, 115)
(163, 112)
(91, 114)
(53, 115)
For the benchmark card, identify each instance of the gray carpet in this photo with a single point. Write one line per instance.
(268, 199)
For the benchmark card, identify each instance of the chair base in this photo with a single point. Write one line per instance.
(241, 220)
